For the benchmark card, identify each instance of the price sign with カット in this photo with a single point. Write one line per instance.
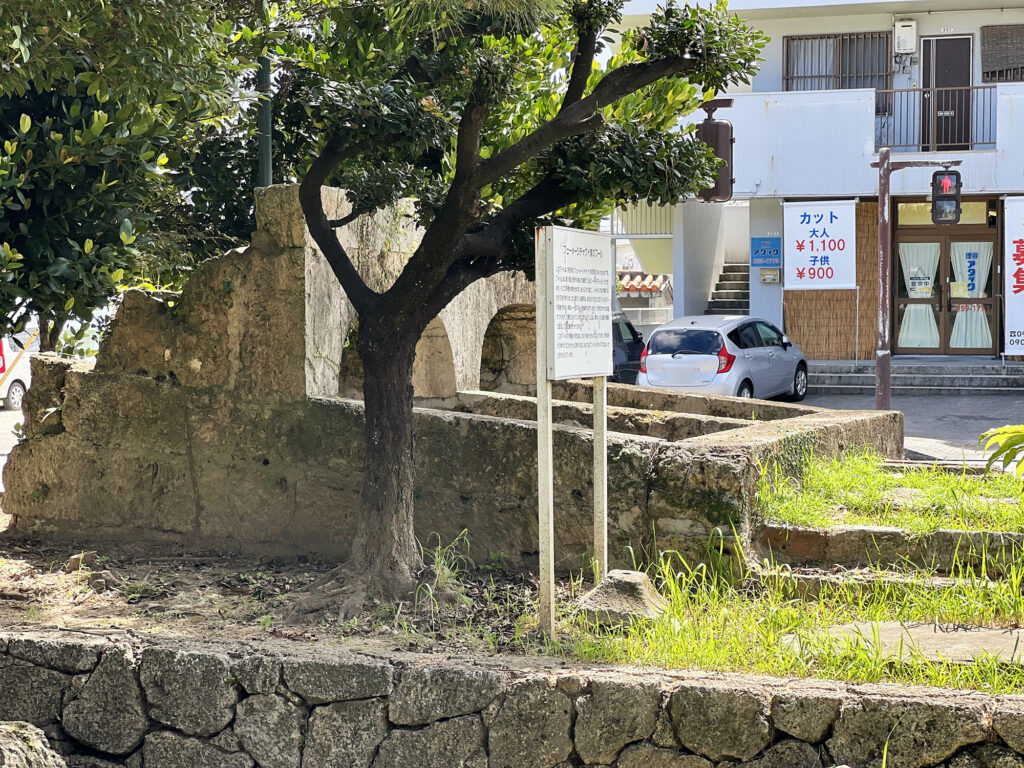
(820, 245)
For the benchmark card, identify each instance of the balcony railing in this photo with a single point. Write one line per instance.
(936, 119)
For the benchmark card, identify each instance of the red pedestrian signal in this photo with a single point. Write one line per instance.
(946, 186)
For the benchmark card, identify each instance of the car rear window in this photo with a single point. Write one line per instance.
(688, 341)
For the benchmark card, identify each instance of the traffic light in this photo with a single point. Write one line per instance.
(717, 134)
(946, 197)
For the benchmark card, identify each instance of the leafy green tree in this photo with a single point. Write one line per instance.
(495, 117)
(93, 97)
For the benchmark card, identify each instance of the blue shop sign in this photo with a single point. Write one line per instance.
(766, 251)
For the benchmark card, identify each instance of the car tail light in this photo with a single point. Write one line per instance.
(643, 360)
(725, 360)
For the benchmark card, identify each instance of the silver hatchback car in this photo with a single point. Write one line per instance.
(724, 355)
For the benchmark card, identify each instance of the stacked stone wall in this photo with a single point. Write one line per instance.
(171, 704)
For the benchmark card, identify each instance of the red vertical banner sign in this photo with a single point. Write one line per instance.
(1013, 276)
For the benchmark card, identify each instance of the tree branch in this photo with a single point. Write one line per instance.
(582, 66)
(423, 272)
(583, 116)
(358, 292)
(344, 221)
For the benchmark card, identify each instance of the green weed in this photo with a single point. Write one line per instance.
(859, 490)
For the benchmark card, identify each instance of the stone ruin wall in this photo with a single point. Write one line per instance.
(210, 420)
(124, 702)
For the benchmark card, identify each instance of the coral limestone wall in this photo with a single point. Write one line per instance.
(171, 704)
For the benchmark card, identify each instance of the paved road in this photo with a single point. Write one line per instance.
(945, 426)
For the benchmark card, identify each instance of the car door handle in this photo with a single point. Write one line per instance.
(746, 355)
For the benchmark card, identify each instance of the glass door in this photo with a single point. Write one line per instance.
(919, 297)
(944, 295)
(970, 301)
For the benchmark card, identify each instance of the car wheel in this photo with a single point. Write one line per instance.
(800, 383)
(746, 390)
(15, 395)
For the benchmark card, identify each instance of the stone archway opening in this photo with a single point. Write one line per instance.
(508, 359)
(433, 373)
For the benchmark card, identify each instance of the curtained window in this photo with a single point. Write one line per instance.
(972, 267)
(920, 264)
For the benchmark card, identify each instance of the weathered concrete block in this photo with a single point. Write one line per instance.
(33, 694)
(345, 734)
(74, 656)
(787, 754)
(172, 750)
(531, 727)
(257, 673)
(920, 729)
(24, 746)
(1008, 721)
(270, 729)
(615, 712)
(807, 711)
(191, 691)
(426, 694)
(455, 743)
(987, 756)
(41, 406)
(108, 714)
(342, 678)
(650, 756)
(622, 597)
(792, 543)
(862, 545)
(720, 720)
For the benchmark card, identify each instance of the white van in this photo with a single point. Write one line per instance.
(15, 375)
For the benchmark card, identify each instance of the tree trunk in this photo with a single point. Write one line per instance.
(49, 335)
(385, 546)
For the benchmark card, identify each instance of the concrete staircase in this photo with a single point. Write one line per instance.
(732, 292)
(919, 376)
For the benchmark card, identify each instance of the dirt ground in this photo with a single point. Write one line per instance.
(210, 596)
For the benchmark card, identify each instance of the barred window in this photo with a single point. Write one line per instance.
(825, 62)
(1002, 53)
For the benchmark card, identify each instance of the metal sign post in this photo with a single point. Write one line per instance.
(575, 279)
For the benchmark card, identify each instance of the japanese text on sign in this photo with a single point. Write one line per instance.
(1013, 287)
(820, 245)
(766, 252)
(580, 284)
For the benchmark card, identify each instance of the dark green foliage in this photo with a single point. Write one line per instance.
(93, 97)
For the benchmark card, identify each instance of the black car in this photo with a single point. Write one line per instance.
(627, 344)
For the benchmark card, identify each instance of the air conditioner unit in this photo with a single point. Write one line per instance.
(905, 36)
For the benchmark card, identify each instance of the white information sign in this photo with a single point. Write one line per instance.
(575, 279)
(580, 280)
(820, 245)
(1013, 271)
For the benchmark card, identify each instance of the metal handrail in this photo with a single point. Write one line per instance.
(936, 119)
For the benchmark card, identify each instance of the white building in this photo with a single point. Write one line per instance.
(933, 80)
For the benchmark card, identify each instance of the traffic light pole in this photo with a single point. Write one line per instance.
(883, 354)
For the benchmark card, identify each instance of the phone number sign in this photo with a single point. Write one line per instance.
(820, 245)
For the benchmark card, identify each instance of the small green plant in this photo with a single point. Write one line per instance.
(1008, 442)
(448, 564)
